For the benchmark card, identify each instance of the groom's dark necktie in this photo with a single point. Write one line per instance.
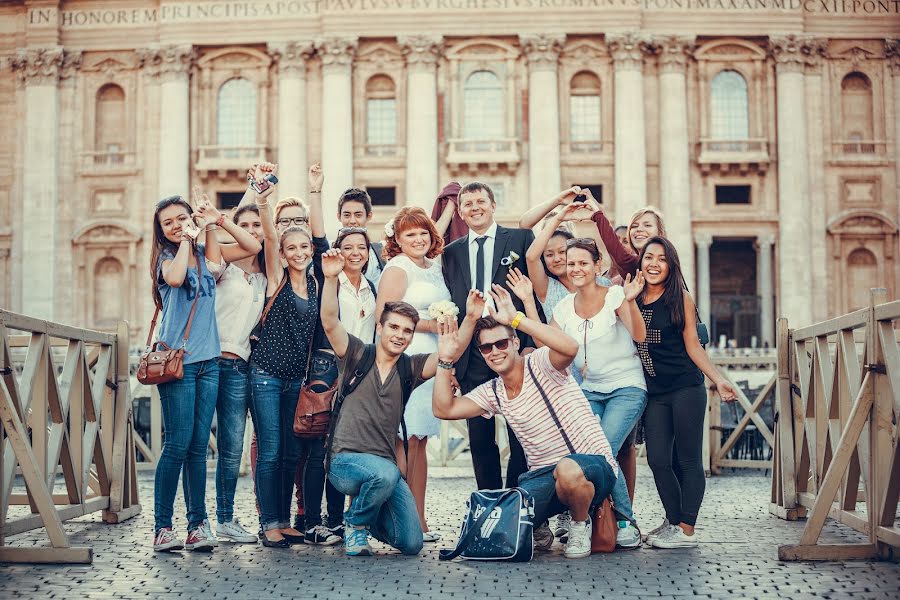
(479, 264)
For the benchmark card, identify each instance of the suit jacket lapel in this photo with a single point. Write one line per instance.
(499, 250)
(465, 266)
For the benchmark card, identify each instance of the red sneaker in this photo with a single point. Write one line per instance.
(201, 538)
(165, 540)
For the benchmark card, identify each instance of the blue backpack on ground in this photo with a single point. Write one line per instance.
(499, 525)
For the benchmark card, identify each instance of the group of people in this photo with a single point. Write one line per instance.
(447, 316)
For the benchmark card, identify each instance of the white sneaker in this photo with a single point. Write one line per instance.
(674, 537)
(579, 544)
(628, 537)
(543, 537)
(430, 536)
(655, 532)
(562, 526)
(232, 531)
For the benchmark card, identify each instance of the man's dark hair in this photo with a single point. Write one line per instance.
(475, 186)
(401, 308)
(355, 195)
(485, 323)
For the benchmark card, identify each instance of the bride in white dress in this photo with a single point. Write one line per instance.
(412, 274)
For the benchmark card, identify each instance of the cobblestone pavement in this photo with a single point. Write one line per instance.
(737, 559)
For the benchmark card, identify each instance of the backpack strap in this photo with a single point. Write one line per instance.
(348, 385)
(404, 370)
(378, 247)
(496, 395)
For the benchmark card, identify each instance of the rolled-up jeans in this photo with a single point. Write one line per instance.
(231, 419)
(382, 502)
(619, 411)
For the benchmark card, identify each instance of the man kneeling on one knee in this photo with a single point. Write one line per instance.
(571, 465)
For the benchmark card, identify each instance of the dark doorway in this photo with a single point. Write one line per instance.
(735, 306)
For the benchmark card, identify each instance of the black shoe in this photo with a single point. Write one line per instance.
(260, 534)
(275, 544)
(293, 539)
(321, 535)
(338, 530)
(298, 522)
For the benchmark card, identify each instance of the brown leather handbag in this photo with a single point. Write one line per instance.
(160, 363)
(313, 413)
(605, 528)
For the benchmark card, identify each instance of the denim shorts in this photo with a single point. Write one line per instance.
(541, 484)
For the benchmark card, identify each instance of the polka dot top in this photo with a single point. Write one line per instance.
(287, 334)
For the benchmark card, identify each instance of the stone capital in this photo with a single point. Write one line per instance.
(816, 52)
(628, 49)
(542, 50)
(422, 52)
(892, 53)
(791, 52)
(765, 241)
(674, 51)
(703, 240)
(337, 52)
(170, 63)
(291, 57)
(38, 66)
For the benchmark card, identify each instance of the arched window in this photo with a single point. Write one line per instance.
(109, 293)
(856, 113)
(483, 111)
(236, 113)
(381, 111)
(584, 108)
(109, 127)
(729, 107)
(862, 273)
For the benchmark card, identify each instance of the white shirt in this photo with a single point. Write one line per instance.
(485, 286)
(240, 298)
(357, 308)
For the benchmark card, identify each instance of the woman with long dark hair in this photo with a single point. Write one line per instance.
(674, 364)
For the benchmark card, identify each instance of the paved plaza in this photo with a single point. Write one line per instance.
(737, 559)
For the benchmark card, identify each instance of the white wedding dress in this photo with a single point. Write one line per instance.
(423, 288)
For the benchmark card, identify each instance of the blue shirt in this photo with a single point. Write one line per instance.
(203, 341)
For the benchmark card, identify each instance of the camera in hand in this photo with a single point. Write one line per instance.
(260, 186)
(191, 229)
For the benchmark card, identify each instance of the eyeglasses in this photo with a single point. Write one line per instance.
(349, 230)
(486, 349)
(294, 221)
(577, 241)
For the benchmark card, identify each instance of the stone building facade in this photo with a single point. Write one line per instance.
(768, 131)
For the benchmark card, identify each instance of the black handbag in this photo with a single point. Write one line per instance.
(499, 525)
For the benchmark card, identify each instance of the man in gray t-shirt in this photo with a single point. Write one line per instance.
(362, 460)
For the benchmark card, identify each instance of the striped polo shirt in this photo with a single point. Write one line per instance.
(530, 418)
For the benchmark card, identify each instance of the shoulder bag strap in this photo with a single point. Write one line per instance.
(404, 370)
(272, 299)
(496, 395)
(187, 329)
(152, 325)
(559, 426)
(473, 530)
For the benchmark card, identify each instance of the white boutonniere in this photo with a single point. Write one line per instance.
(510, 259)
(389, 228)
(443, 308)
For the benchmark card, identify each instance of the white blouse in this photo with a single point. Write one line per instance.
(240, 298)
(357, 308)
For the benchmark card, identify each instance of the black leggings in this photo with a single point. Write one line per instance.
(676, 419)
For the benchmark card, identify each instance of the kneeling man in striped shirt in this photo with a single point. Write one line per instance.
(571, 465)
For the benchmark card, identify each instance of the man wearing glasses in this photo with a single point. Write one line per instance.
(571, 464)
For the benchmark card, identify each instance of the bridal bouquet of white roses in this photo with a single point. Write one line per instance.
(443, 308)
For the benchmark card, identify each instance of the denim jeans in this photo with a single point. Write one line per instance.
(188, 405)
(619, 412)
(231, 419)
(272, 404)
(541, 484)
(382, 502)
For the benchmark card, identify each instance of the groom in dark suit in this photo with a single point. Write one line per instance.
(476, 261)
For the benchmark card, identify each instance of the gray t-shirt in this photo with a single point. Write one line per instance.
(370, 417)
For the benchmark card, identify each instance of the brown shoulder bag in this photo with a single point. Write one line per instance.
(605, 528)
(313, 413)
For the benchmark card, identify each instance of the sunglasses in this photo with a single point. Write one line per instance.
(580, 241)
(349, 230)
(486, 349)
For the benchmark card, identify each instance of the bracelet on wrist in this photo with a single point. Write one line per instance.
(445, 364)
(315, 191)
(517, 319)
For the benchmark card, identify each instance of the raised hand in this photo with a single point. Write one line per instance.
(505, 310)
(570, 212)
(448, 339)
(204, 211)
(520, 284)
(633, 287)
(332, 263)
(567, 196)
(475, 303)
(590, 201)
(316, 178)
(259, 174)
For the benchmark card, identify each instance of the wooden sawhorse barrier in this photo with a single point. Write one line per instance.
(78, 423)
(837, 428)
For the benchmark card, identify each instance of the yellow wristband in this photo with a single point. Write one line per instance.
(518, 319)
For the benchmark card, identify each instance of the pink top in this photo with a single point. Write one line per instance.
(530, 419)
(625, 258)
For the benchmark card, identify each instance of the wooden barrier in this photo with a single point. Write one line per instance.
(837, 429)
(75, 420)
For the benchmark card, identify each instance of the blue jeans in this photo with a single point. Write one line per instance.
(272, 404)
(231, 419)
(382, 502)
(541, 484)
(619, 412)
(188, 405)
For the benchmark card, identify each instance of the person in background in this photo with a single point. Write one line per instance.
(446, 219)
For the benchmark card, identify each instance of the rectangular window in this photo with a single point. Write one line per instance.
(584, 125)
(596, 190)
(383, 196)
(732, 194)
(381, 121)
(229, 200)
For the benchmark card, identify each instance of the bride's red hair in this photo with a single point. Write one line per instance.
(410, 217)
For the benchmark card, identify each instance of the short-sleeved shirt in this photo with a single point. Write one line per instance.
(370, 417)
(530, 418)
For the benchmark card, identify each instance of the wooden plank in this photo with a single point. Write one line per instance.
(123, 515)
(825, 551)
(78, 555)
(731, 361)
(727, 463)
(851, 320)
(788, 514)
(785, 426)
(887, 311)
(34, 325)
(745, 420)
(64, 513)
(889, 535)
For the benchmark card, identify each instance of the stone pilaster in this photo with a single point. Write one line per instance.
(814, 54)
(422, 53)
(766, 290)
(703, 241)
(291, 59)
(892, 51)
(542, 53)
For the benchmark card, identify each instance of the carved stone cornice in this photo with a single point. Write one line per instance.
(892, 53)
(422, 52)
(628, 49)
(674, 52)
(38, 66)
(791, 52)
(815, 50)
(703, 240)
(542, 50)
(71, 64)
(170, 63)
(291, 57)
(337, 52)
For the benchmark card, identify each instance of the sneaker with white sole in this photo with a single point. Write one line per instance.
(321, 536)
(628, 536)
(165, 540)
(543, 537)
(674, 537)
(562, 526)
(579, 544)
(233, 531)
(431, 536)
(201, 538)
(655, 532)
(356, 542)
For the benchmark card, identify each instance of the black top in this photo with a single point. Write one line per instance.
(320, 247)
(664, 356)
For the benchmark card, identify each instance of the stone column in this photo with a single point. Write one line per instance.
(674, 159)
(422, 53)
(793, 182)
(703, 298)
(291, 58)
(337, 120)
(814, 53)
(766, 289)
(893, 53)
(542, 52)
(627, 52)
(38, 71)
(174, 64)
